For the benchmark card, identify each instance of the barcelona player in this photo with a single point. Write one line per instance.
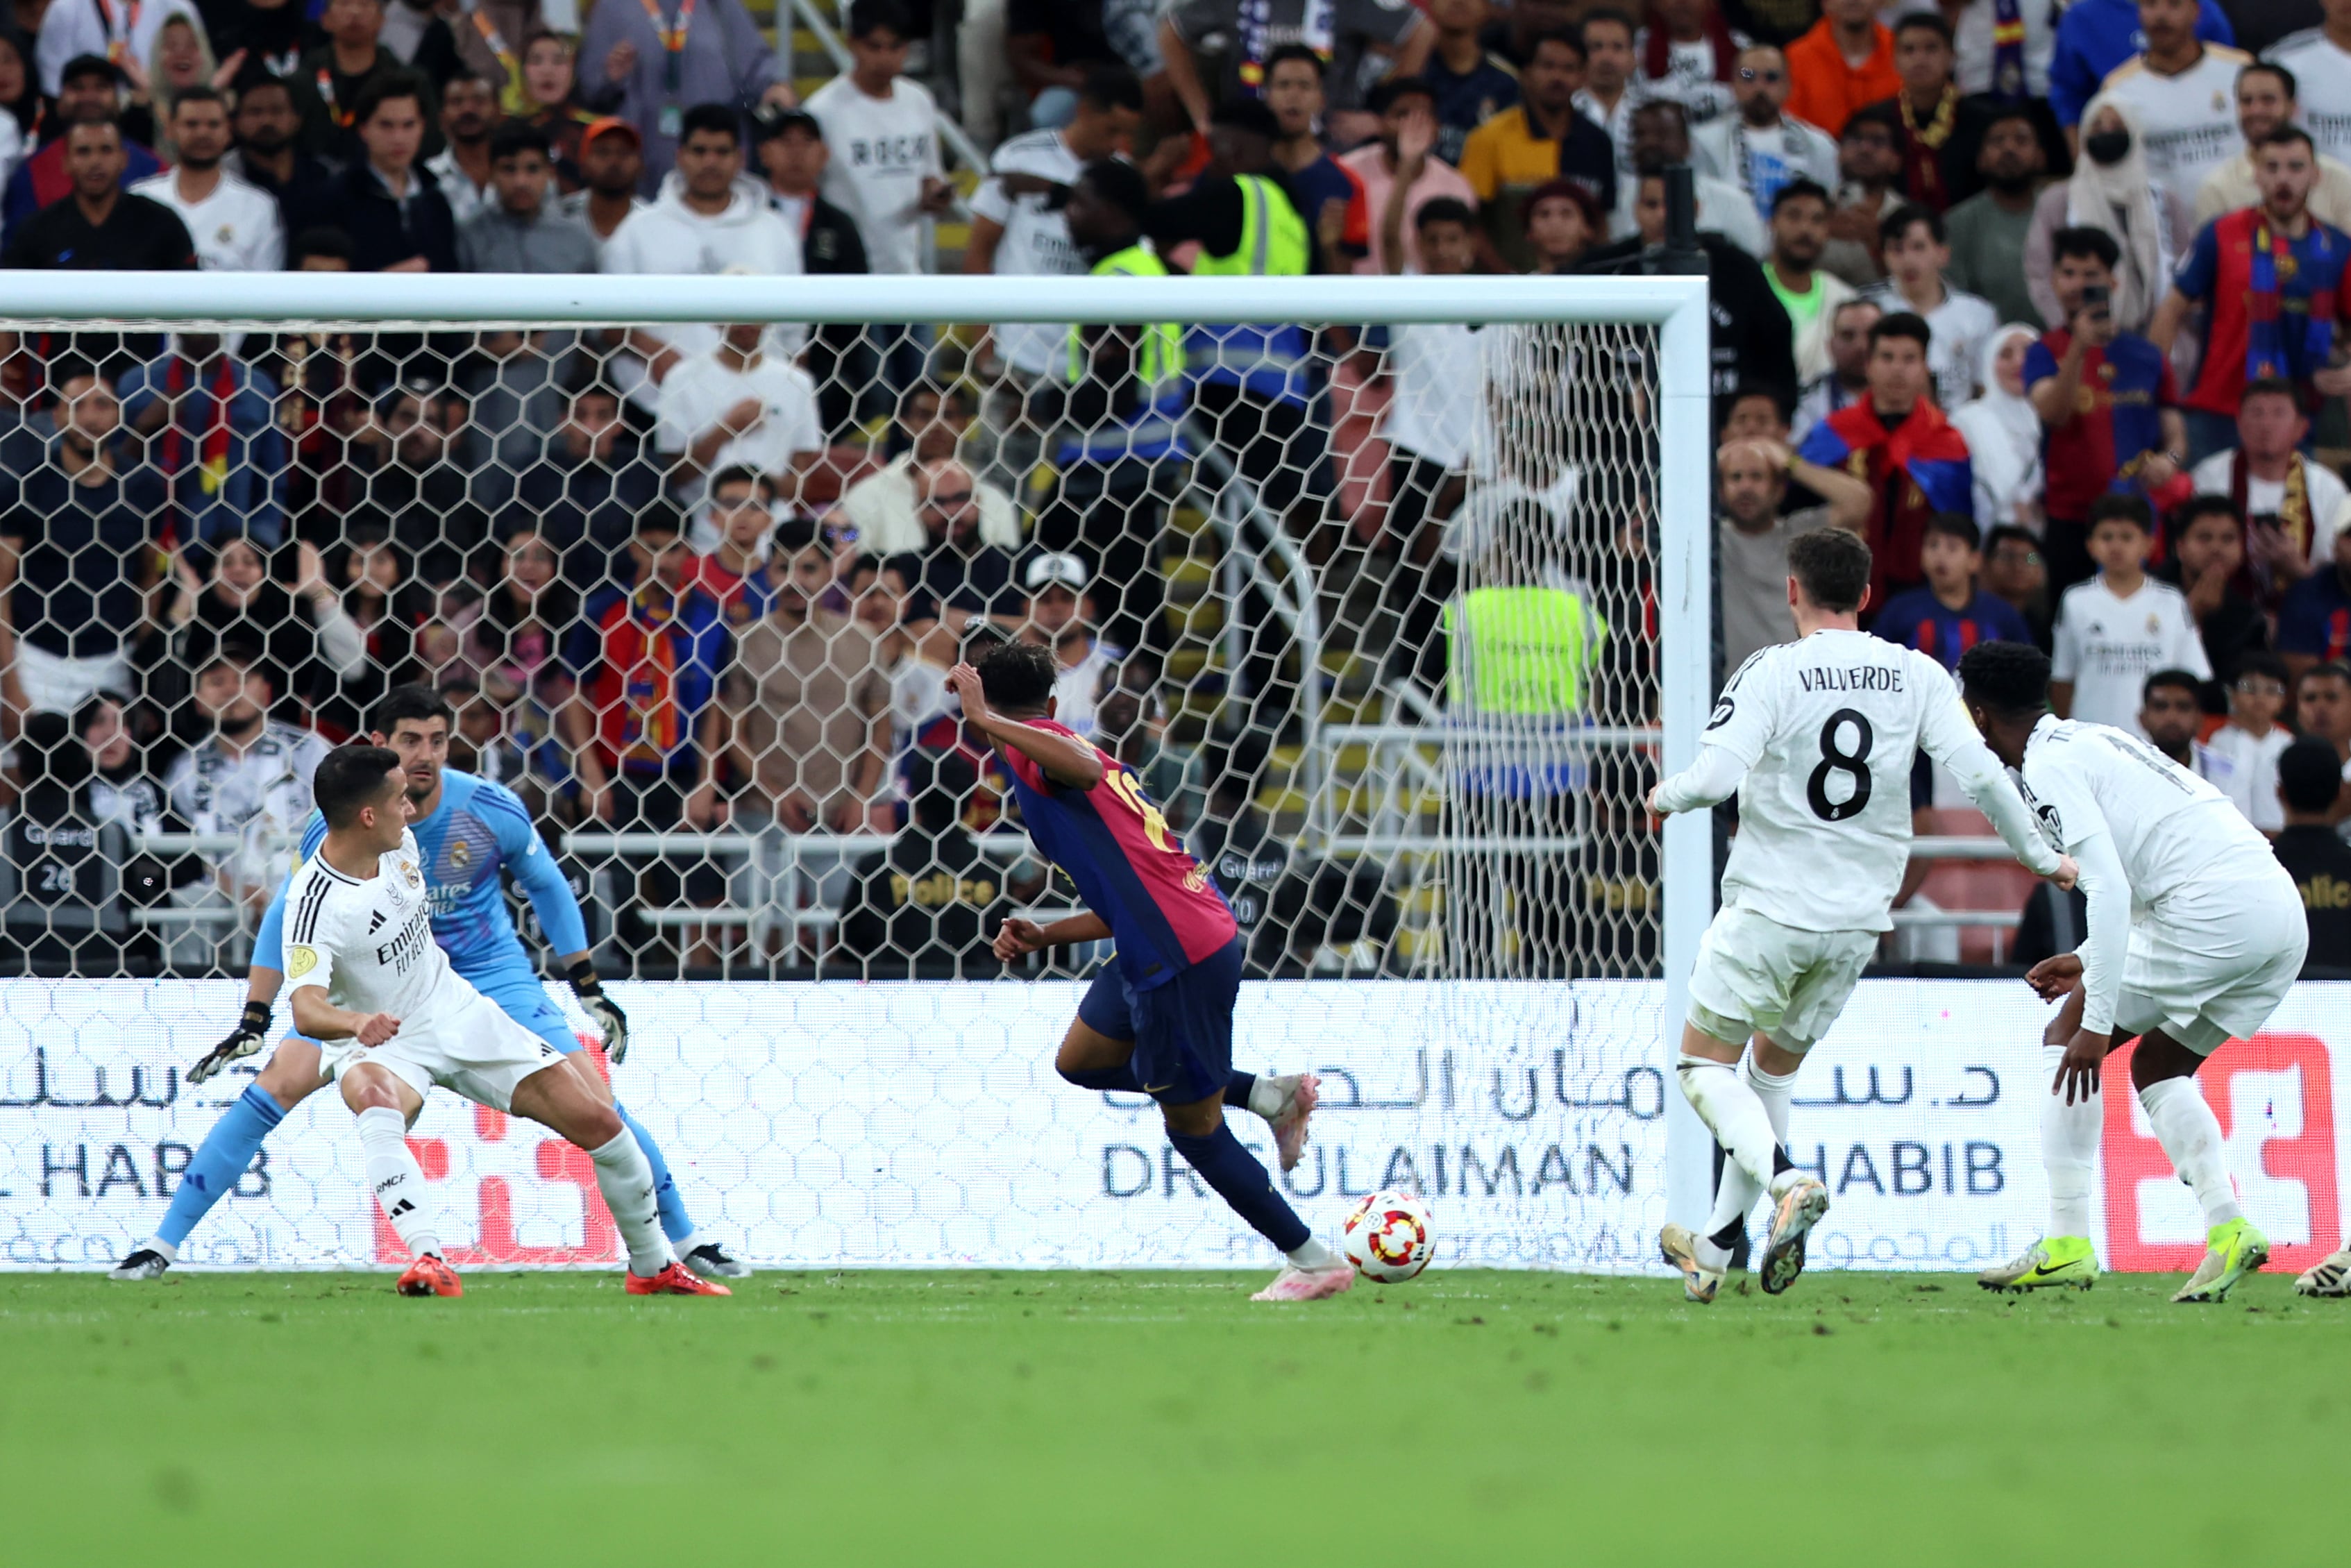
(1159, 1020)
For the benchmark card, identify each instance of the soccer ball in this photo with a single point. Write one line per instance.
(1390, 1236)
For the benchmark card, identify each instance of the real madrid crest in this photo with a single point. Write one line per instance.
(461, 854)
(414, 880)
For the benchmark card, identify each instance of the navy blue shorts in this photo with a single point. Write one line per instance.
(1183, 1030)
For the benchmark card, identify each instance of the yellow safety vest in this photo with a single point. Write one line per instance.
(1522, 650)
(1159, 348)
(1274, 241)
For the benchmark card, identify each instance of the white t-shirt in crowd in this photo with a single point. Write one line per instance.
(1775, 156)
(1960, 325)
(2190, 120)
(2322, 76)
(2244, 767)
(883, 148)
(1438, 384)
(236, 228)
(700, 390)
(2108, 647)
(1036, 243)
(1077, 689)
(2330, 498)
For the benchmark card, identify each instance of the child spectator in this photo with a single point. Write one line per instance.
(731, 540)
(2242, 757)
(1952, 613)
(885, 171)
(2314, 621)
(2016, 573)
(2120, 626)
(2207, 564)
(1404, 107)
(1918, 254)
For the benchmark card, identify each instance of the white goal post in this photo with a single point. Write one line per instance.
(1674, 307)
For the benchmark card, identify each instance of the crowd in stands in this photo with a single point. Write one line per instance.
(2041, 299)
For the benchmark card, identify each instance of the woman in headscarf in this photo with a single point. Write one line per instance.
(20, 100)
(2111, 189)
(2004, 436)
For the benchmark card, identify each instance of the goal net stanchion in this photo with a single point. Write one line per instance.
(1414, 763)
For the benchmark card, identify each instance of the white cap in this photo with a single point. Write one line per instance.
(1059, 567)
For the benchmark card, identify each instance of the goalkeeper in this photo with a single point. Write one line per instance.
(469, 831)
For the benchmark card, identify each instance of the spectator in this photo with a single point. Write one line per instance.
(1544, 139)
(1471, 85)
(341, 72)
(888, 175)
(2241, 759)
(2097, 38)
(1560, 224)
(2170, 711)
(810, 704)
(208, 423)
(1432, 418)
(122, 789)
(1848, 377)
(2293, 505)
(1661, 139)
(1918, 253)
(2319, 59)
(612, 166)
(71, 33)
(644, 727)
(1027, 236)
(1845, 62)
(1061, 617)
(2105, 400)
(180, 61)
(20, 100)
(1051, 48)
(78, 528)
(2015, 573)
(550, 101)
(707, 220)
(422, 41)
(239, 226)
(1240, 39)
(1995, 63)
(793, 156)
(2314, 621)
(1611, 88)
(522, 230)
(1756, 412)
(2207, 564)
(486, 38)
(1751, 340)
(516, 642)
(1751, 534)
(2309, 779)
(1862, 439)
(885, 509)
(302, 640)
(463, 168)
(920, 709)
(319, 250)
(2321, 709)
(594, 477)
(394, 210)
(1799, 232)
(2185, 91)
(2119, 626)
(1760, 149)
(739, 404)
(1952, 613)
(2266, 103)
(1689, 54)
(730, 537)
(248, 776)
(414, 460)
(1869, 160)
(92, 90)
(2004, 435)
(649, 66)
(955, 577)
(271, 34)
(100, 227)
(1929, 108)
(927, 907)
(1326, 195)
(2110, 189)
(1989, 230)
(1379, 165)
(268, 159)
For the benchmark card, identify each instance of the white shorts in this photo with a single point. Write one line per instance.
(1756, 975)
(476, 1050)
(2215, 960)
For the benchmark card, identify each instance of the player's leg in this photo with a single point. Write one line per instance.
(1769, 1070)
(2163, 1072)
(291, 1076)
(2070, 1133)
(383, 1103)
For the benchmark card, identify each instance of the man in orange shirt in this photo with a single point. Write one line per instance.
(1845, 62)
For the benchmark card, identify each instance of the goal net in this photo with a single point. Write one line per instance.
(1379, 613)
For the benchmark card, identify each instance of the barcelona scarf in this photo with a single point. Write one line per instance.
(2008, 51)
(211, 442)
(651, 729)
(1916, 468)
(2274, 351)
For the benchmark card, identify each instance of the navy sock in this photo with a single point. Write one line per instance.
(1120, 1077)
(1240, 1179)
(219, 1161)
(1237, 1087)
(673, 1221)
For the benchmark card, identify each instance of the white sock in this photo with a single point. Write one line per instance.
(627, 1183)
(1312, 1254)
(1734, 1198)
(1264, 1097)
(157, 1244)
(1732, 1112)
(2190, 1135)
(2069, 1150)
(397, 1180)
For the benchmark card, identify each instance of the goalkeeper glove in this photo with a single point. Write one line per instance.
(603, 1009)
(251, 1030)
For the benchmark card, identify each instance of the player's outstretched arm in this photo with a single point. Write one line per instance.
(1949, 736)
(261, 984)
(551, 899)
(1064, 761)
(1713, 778)
(319, 1018)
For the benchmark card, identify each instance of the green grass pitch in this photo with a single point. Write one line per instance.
(1014, 1418)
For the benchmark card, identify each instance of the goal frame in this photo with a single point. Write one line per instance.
(1675, 306)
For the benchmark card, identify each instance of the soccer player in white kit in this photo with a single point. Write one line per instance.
(368, 982)
(2195, 935)
(1817, 736)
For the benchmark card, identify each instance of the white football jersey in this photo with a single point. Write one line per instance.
(371, 943)
(2190, 119)
(2106, 647)
(2322, 76)
(2167, 824)
(1826, 728)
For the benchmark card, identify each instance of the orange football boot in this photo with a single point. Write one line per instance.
(676, 1280)
(429, 1276)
